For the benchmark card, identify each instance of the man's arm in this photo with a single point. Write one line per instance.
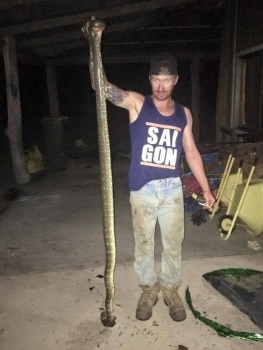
(129, 100)
(114, 94)
(195, 161)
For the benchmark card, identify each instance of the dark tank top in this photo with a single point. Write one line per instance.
(156, 144)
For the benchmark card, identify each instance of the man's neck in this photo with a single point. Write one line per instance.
(165, 107)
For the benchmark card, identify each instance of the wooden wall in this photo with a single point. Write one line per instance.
(249, 24)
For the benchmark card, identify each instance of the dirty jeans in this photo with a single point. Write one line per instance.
(162, 201)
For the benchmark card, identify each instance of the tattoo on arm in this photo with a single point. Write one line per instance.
(115, 94)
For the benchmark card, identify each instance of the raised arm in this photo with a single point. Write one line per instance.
(195, 161)
(129, 100)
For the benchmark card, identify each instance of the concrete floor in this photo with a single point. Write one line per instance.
(52, 256)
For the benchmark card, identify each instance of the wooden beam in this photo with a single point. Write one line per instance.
(14, 111)
(77, 35)
(60, 49)
(121, 58)
(143, 6)
(195, 84)
(223, 102)
(52, 90)
(8, 4)
(135, 25)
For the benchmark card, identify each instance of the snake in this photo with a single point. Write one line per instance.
(107, 317)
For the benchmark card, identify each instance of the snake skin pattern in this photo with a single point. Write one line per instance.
(107, 317)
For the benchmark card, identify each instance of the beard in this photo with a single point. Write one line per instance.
(161, 95)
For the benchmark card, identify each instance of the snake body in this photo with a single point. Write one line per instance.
(107, 317)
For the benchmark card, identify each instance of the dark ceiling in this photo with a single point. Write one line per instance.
(51, 29)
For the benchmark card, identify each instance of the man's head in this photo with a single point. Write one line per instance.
(163, 63)
(163, 75)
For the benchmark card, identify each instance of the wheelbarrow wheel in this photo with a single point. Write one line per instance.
(224, 223)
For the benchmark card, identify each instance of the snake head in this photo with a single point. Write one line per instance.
(92, 26)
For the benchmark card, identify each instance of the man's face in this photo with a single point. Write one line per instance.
(162, 85)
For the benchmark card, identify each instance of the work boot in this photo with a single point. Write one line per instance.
(174, 302)
(147, 301)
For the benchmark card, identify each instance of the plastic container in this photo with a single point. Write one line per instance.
(199, 198)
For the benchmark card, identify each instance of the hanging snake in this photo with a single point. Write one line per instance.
(94, 39)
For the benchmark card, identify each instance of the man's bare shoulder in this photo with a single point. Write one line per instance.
(137, 99)
(135, 106)
(188, 114)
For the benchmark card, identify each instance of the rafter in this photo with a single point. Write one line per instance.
(76, 35)
(144, 6)
(7, 4)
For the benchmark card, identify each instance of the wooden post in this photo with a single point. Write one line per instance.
(224, 104)
(52, 90)
(195, 83)
(14, 111)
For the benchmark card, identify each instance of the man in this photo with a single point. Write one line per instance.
(160, 129)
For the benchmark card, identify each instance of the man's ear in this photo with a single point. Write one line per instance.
(176, 79)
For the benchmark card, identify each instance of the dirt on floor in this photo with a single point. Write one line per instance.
(52, 257)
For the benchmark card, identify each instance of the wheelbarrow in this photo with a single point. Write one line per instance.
(244, 201)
